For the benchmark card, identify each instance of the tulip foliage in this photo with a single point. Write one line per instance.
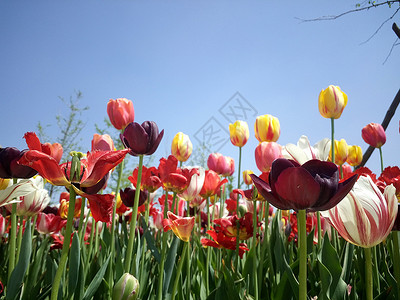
(307, 225)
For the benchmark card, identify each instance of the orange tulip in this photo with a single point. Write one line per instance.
(181, 226)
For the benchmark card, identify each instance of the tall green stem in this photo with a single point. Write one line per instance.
(319, 229)
(368, 274)
(333, 139)
(132, 228)
(208, 248)
(19, 238)
(237, 211)
(110, 272)
(179, 271)
(65, 248)
(381, 157)
(302, 254)
(13, 237)
(396, 258)
(254, 249)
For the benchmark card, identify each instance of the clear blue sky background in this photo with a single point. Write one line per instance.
(181, 61)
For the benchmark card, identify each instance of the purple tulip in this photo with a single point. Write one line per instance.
(9, 168)
(313, 186)
(141, 139)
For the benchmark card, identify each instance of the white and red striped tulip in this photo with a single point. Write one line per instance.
(365, 216)
(195, 185)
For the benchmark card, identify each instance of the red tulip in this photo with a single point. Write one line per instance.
(220, 240)
(212, 184)
(54, 150)
(49, 223)
(228, 226)
(150, 179)
(313, 186)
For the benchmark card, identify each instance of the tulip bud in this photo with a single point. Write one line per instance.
(239, 133)
(102, 142)
(341, 152)
(128, 196)
(267, 128)
(181, 147)
(355, 156)
(9, 166)
(266, 153)
(374, 135)
(126, 288)
(246, 177)
(331, 102)
(222, 165)
(120, 112)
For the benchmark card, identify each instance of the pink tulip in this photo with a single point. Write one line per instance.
(49, 223)
(266, 153)
(374, 135)
(222, 165)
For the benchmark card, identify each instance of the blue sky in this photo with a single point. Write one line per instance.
(180, 62)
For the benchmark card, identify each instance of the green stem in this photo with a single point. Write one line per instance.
(333, 139)
(65, 248)
(179, 271)
(19, 237)
(254, 248)
(132, 227)
(81, 217)
(264, 249)
(112, 250)
(208, 248)
(301, 219)
(237, 211)
(368, 274)
(381, 157)
(319, 229)
(13, 236)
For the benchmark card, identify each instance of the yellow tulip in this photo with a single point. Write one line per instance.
(239, 133)
(341, 152)
(267, 128)
(331, 102)
(4, 183)
(246, 177)
(355, 155)
(181, 147)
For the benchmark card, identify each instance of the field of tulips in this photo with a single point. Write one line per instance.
(309, 224)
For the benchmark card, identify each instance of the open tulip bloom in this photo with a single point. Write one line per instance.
(313, 186)
(365, 217)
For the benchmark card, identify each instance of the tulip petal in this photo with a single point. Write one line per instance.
(99, 163)
(33, 141)
(298, 187)
(46, 166)
(101, 206)
(153, 147)
(135, 138)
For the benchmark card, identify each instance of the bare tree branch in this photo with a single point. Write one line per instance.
(385, 123)
(396, 30)
(334, 17)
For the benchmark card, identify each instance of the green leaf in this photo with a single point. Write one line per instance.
(93, 286)
(18, 274)
(74, 260)
(150, 243)
(169, 263)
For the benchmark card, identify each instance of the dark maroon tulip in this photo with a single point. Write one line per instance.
(9, 168)
(396, 226)
(313, 186)
(128, 197)
(141, 139)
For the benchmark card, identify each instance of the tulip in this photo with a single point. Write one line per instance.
(265, 154)
(313, 186)
(229, 227)
(222, 165)
(9, 168)
(85, 176)
(267, 128)
(35, 201)
(365, 217)
(181, 147)
(303, 151)
(239, 133)
(195, 185)
(212, 184)
(54, 150)
(12, 193)
(127, 288)
(341, 152)
(331, 102)
(128, 196)
(49, 223)
(181, 226)
(355, 155)
(4, 183)
(120, 112)
(2, 225)
(374, 135)
(246, 177)
(141, 139)
(220, 240)
(150, 180)
(102, 142)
